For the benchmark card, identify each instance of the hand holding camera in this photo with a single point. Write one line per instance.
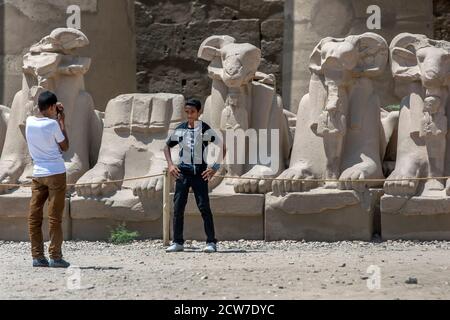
(60, 111)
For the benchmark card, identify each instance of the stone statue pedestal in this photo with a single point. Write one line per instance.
(14, 211)
(321, 215)
(236, 216)
(416, 218)
(93, 219)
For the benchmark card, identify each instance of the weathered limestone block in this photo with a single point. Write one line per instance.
(246, 30)
(4, 116)
(14, 210)
(272, 49)
(93, 218)
(181, 41)
(236, 216)
(442, 19)
(168, 52)
(266, 8)
(334, 215)
(308, 21)
(136, 127)
(415, 218)
(114, 70)
(272, 29)
(170, 32)
(419, 209)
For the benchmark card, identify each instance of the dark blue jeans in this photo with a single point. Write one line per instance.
(200, 188)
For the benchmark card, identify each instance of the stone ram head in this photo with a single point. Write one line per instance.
(414, 57)
(340, 59)
(234, 63)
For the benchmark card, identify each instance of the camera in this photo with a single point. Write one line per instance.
(59, 108)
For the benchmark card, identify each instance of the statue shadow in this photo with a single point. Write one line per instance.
(101, 268)
(11, 191)
(199, 250)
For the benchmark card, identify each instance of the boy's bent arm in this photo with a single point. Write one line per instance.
(224, 151)
(173, 170)
(62, 125)
(168, 155)
(65, 144)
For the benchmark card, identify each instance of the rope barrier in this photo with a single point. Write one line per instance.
(116, 181)
(12, 185)
(332, 180)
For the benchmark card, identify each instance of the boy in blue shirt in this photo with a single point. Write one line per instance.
(193, 172)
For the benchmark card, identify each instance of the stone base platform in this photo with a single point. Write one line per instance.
(236, 216)
(416, 218)
(321, 215)
(93, 219)
(14, 210)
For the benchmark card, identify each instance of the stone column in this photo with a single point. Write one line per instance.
(108, 24)
(308, 21)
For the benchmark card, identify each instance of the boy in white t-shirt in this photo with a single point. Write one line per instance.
(47, 139)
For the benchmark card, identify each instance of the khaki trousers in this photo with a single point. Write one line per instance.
(53, 189)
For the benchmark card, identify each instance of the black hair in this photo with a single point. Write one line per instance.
(46, 100)
(194, 103)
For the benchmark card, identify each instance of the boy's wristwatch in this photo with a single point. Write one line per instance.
(215, 167)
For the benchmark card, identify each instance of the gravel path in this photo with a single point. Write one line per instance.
(241, 270)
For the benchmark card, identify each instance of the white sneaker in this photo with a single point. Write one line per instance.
(175, 247)
(210, 248)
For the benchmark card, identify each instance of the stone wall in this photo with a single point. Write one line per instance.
(169, 34)
(442, 19)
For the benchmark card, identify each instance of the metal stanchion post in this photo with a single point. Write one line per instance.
(166, 208)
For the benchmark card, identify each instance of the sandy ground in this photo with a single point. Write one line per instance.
(240, 270)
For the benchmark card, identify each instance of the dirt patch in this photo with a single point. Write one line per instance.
(240, 270)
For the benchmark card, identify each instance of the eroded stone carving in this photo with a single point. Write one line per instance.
(26, 21)
(421, 68)
(338, 122)
(309, 21)
(4, 116)
(243, 98)
(52, 65)
(136, 127)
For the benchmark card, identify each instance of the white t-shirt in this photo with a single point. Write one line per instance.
(43, 136)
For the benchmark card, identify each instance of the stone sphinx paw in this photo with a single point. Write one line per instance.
(396, 186)
(351, 178)
(9, 174)
(290, 184)
(447, 187)
(96, 183)
(150, 188)
(257, 184)
(74, 171)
